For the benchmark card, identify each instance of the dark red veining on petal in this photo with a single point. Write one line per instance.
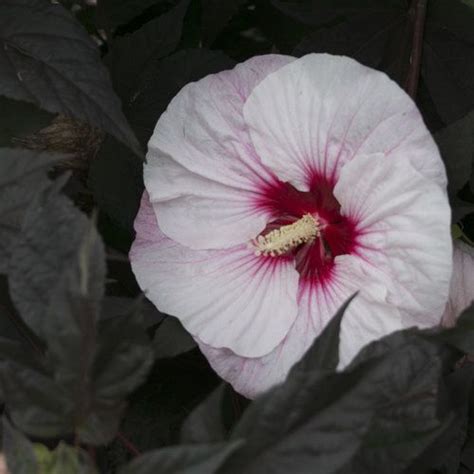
(315, 260)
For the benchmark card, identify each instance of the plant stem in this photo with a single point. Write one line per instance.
(130, 447)
(418, 12)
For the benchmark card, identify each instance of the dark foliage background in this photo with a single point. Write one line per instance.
(93, 379)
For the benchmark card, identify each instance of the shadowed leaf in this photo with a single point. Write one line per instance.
(171, 339)
(116, 176)
(20, 119)
(215, 16)
(456, 144)
(46, 58)
(324, 353)
(22, 175)
(318, 12)
(91, 365)
(379, 39)
(194, 459)
(19, 452)
(462, 335)
(113, 13)
(131, 54)
(205, 424)
(448, 65)
(380, 414)
(52, 232)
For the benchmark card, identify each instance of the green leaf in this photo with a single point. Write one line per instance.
(194, 459)
(205, 423)
(171, 339)
(22, 175)
(24, 457)
(456, 232)
(19, 452)
(46, 58)
(63, 459)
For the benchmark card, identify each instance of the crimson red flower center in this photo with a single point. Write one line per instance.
(338, 236)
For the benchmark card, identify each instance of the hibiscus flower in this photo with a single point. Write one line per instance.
(276, 190)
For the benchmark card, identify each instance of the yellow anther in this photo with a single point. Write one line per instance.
(287, 237)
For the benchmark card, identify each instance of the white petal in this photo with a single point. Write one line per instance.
(227, 298)
(318, 112)
(371, 315)
(461, 293)
(368, 317)
(404, 226)
(402, 270)
(202, 173)
(199, 212)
